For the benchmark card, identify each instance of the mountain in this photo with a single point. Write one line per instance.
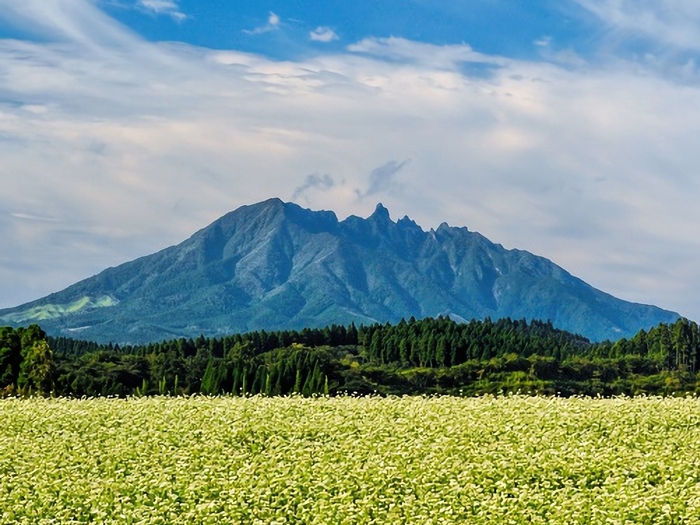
(275, 265)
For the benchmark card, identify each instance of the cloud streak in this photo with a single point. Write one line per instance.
(163, 7)
(132, 146)
(75, 21)
(665, 24)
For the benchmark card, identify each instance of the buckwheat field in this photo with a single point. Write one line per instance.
(346, 460)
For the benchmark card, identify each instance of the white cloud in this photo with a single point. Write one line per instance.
(273, 24)
(427, 55)
(672, 23)
(545, 41)
(163, 7)
(142, 144)
(323, 34)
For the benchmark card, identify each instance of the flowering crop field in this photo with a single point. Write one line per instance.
(346, 460)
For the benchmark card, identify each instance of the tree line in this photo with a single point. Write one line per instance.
(410, 357)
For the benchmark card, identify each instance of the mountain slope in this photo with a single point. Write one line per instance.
(275, 265)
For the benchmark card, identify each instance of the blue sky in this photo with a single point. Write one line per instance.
(567, 128)
(508, 28)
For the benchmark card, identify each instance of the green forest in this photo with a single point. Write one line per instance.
(428, 356)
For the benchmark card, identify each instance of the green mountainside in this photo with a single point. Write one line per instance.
(277, 266)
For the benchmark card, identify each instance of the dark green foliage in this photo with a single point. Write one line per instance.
(26, 361)
(10, 356)
(37, 368)
(410, 357)
(103, 373)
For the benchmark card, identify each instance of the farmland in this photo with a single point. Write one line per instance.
(349, 460)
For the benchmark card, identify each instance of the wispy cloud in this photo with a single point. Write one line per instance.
(674, 23)
(545, 41)
(430, 56)
(131, 146)
(273, 24)
(76, 21)
(314, 181)
(163, 7)
(32, 217)
(382, 178)
(323, 34)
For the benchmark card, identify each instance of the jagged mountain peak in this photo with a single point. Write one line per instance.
(407, 223)
(380, 214)
(276, 265)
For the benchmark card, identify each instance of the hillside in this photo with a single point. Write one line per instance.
(275, 265)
